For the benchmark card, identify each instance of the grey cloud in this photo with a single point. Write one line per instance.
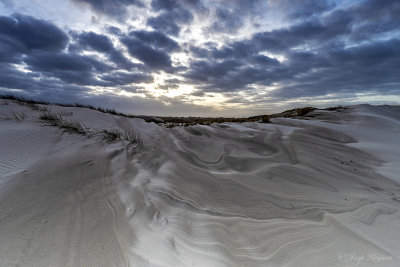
(372, 67)
(321, 62)
(103, 44)
(169, 5)
(114, 30)
(164, 4)
(372, 18)
(226, 20)
(32, 84)
(298, 9)
(55, 71)
(7, 3)
(152, 48)
(123, 78)
(169, 84)
(170, 22)
(96, 41)
(29, 33)
(328, 49)
(115, 8)
(21, 34)
(151, 57)
(228, 16)
(156, 39)
(71, 68)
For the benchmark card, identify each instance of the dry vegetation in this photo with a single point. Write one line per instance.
(53, 119)
(46, 116)
(187, 121)
(17, 116)
(74, 127)
(168, 121)
(118, 134)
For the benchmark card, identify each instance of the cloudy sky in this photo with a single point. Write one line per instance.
(201, 57)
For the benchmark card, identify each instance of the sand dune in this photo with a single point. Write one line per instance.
(316, 192)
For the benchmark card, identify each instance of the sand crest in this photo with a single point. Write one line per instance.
(316, 192)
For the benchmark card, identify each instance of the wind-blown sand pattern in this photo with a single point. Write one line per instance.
(317, 192)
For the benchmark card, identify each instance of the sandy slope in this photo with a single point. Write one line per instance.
(56, 209)
(317, 192)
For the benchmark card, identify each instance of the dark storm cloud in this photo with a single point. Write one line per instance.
(82, 70)
(372, 18)
(310, 33)
(115, 8)
(98, 42)
(62, 61)
(318, 59)
(59, 74)
(298, 9)
(228, 16)
(324, 48)
(371, 67)
(168, 5)
(165, 4)
(174, 14)
(121, 61)
(34, 84)
(123, 78)
(367, 67)
(205, 71)
(316, 32)
(226, 20)
(23, 39)
(22, 34)
(170, 22)
(263, 60)
(151, 57)
(155, 39)
(114, 30)
(15, 79)
(28, 33)
(152, 48)
(102, 44)
(230, 74)
(371, 10)
(41, 47)
(70, 68)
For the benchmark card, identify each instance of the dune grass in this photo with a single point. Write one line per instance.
(34, 104)
(112, 135)
(57, 120)
(74, 127)
(17, 116)
(173, 121)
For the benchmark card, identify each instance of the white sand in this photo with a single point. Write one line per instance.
(318, 192)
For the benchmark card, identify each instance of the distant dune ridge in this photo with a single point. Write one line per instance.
(86, 187)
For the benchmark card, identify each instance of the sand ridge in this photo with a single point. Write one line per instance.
(251, 195)
(292, 193)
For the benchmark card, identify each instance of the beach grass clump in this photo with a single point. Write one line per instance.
(54, 119)
(17, 116)
(74, 127)
(36, 107)
(113, 135)
(336, 108)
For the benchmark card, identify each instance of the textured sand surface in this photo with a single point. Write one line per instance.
(317, 192)
(55, 205)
